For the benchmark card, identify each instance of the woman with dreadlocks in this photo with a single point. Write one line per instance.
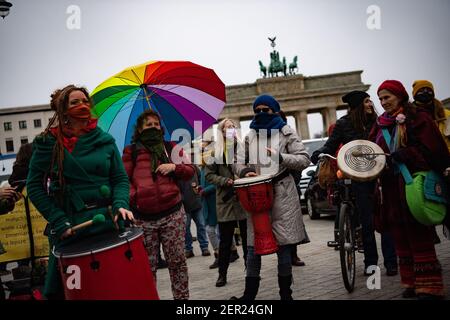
(75, 173)
(353, 126)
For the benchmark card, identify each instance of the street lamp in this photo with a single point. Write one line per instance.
(4, 8)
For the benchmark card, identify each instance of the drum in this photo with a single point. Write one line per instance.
(361, 160)
(108, 266)
(256, 196)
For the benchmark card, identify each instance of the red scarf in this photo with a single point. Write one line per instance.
(69, 142)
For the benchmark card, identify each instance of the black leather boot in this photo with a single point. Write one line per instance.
(222, 280)
(216, 262)
(284, 283)
(251, 289)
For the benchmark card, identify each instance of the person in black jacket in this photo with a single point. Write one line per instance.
(353, 126)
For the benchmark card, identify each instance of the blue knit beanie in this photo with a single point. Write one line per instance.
(267, 100)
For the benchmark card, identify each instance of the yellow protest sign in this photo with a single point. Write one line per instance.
(14, 233)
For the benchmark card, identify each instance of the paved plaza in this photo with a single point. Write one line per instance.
(320, 279)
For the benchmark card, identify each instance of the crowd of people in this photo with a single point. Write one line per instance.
(74, 169)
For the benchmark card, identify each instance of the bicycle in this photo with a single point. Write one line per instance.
(349, 232)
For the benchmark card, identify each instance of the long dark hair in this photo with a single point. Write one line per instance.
(361, 121)
(60, 103)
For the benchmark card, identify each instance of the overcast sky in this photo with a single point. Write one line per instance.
(39, 53)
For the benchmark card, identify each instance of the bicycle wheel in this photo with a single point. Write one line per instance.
(347, 246)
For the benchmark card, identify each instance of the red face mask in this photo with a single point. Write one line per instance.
(80, 112)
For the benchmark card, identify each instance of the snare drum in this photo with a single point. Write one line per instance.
(108, 266)
(366, 167)
(256, 196)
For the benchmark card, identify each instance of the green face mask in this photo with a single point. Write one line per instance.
(151, 136)
(152, 139)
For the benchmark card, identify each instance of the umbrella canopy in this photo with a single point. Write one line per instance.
(181, 92)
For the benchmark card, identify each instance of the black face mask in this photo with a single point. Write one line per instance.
(424, 97)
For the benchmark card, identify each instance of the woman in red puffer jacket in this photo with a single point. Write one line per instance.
(156, 199)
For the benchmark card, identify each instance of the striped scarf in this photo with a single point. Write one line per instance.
(399, 137)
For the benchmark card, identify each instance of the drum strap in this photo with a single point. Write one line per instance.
(401, 166)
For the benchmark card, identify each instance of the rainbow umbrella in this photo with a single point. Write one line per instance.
(181, 92)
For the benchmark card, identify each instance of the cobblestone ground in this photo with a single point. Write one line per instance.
(320, 279)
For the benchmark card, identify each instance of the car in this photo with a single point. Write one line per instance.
(316, 198)
(311, 145)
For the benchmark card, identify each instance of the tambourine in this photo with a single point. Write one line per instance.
(361, 160)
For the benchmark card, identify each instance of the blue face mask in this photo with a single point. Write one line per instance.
(267, 121)
(264, 118)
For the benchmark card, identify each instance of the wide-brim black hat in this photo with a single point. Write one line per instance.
(355, 98)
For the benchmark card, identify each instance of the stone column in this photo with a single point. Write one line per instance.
(328, 117)
(301, 121)
(332, 115)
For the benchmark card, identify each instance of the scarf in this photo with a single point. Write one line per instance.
(267, 121)
(80, 112)
(229, 150)
(69, 139)
(152, 139)
(399, 137)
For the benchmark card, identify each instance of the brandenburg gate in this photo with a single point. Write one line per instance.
(297, 95)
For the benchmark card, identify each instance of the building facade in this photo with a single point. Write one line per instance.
(20, 125)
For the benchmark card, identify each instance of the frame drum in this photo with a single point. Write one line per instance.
(367, 166)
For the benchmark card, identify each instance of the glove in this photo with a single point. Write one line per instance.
(60, 226)
(315, 156)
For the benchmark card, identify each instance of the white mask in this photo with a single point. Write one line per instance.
(230, 133)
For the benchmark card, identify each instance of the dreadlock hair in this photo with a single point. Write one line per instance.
(360, 120)
(60, 103)
(141, 121)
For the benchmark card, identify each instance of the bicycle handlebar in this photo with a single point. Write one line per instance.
(323, 155)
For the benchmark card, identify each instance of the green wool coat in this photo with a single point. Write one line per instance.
(93, 171)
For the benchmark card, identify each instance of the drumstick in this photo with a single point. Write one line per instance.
(358, 153)
(99, 218)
